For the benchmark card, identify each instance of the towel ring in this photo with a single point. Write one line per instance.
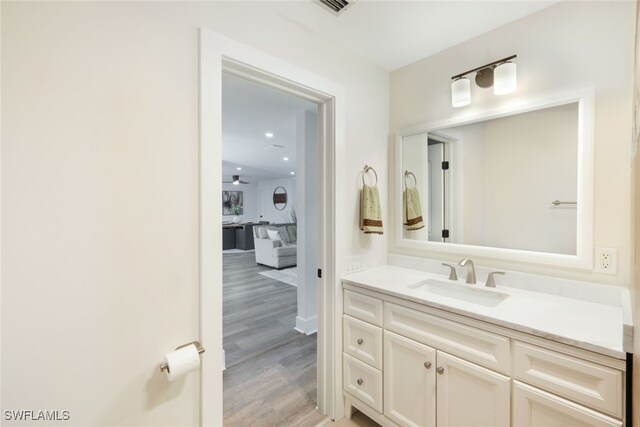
(368, 168)
(408, 174)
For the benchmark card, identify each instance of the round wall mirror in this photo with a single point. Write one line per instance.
(280, 198)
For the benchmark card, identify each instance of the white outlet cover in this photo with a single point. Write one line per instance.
(606, 261)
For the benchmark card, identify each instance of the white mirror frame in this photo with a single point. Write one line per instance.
(584, 244)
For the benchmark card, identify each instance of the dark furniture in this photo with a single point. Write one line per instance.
(244, 237)
(238, 236)
(228, 237)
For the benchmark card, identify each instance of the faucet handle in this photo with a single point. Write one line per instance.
(491, 283)
(452, 272)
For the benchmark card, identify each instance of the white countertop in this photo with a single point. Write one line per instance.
(585, 324)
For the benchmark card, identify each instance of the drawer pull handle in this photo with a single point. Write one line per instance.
(360, 341)
(427, 365)
(440, 370)
(359, 381)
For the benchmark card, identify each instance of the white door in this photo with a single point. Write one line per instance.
(265, 205)
(409, 381)
(536, 408)
(435, 201)
(470, 395)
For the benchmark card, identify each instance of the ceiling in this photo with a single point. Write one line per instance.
(390, 34)
(248, 112)
(395, 33)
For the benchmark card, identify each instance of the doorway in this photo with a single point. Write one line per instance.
(269, 200)
(217, 54)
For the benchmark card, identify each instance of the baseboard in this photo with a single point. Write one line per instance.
(307, 326)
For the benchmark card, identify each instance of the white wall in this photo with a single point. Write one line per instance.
(560, 48)
(100, 194)
(251, 199)
(307, 208)
(267, 211)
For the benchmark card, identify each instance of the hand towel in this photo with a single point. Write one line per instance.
(411, 210)
(370, 213)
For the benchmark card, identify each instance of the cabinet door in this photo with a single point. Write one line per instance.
(536, 408)
(470, 395)
(409, 381)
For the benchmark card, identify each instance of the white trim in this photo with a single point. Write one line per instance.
(307, 326)
(584, 256)
(218, 53)
(210, 231)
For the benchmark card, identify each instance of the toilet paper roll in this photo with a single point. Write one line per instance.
(182, 361)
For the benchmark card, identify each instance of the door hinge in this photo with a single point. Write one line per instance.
(445, 234)
(445, 165)
(319, 273)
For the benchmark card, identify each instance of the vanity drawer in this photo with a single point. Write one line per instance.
(536, 408)
(363, 307)
(593, 385)
(484, 348)
(362, 341)
(363, 382)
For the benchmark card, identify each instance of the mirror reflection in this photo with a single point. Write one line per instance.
(510, 182)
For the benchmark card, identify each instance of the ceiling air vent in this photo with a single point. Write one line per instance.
(335, 6)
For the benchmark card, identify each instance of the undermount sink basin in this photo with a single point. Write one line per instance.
(466, 293)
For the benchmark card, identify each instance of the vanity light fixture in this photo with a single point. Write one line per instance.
(268, 135)
(238, 168)
(500, 74)
(286, 159)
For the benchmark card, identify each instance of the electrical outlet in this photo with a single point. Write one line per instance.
(606, 261)
(355, 263)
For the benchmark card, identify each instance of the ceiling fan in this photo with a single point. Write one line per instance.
(235, 180)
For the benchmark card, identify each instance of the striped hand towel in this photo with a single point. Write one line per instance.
(370, 212)
(411, 210)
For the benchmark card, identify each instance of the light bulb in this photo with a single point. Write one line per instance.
(461, 92)
(504, 79)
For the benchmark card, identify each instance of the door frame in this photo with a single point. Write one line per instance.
(220, 54)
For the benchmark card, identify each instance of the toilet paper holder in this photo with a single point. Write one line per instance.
(200, 349)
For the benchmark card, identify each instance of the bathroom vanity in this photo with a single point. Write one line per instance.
(422, 350)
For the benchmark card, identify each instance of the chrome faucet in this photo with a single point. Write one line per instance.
(452, 272)
(471, 272)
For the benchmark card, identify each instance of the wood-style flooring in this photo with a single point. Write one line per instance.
(270, 378)
(276, 388)
(258, 312)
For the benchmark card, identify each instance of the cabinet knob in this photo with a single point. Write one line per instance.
(440, 370)
(427, 365)
(360, 341)
(359, 381)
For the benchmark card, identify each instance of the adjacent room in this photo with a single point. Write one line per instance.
(268, 241)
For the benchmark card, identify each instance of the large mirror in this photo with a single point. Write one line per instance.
(517, 181)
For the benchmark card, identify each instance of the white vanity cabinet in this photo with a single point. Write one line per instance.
(420, 381)
(408, 366)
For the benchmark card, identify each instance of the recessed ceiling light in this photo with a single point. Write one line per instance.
(286, 159)
(238, 168)
(292, 173)
(269, 135)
